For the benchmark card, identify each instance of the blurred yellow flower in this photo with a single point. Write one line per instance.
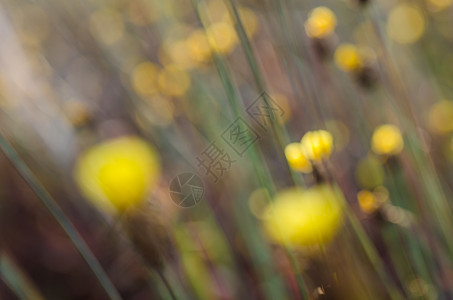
(296, 158)
(370, 201)
(440, 117)
(406, 23)
(176, 52)
(437, 5)
(222, 37)
(321, 22)
(143, 78)
(198, 46)
(387, 140)
(348, 58)
(173, 81)
(367, 201)
(317, 145)
(248, 19)
(304, 217)
(118, 174)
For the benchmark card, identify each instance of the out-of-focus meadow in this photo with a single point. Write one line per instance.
(226, 149)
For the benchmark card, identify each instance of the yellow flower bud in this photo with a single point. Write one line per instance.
(440, 117)
(118, 174)
(348, 58)
(296, 158)
(198, 46)
(387, 140)
(222, 37)
(367, 201)
(173, 81)
(317, 145)
(370, 201)
(143, 78)
(321, 22)
(304, 217)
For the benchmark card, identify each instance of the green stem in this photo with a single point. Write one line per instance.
(166, 283)
(61, 218)
(260, 169)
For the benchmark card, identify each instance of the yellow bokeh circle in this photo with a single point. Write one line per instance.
(118, 174)
(387, 140)
(405, 24)
(304, 217)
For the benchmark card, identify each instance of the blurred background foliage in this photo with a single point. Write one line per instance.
(342, 188)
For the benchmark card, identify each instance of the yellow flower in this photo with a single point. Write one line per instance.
(248, 19)
(348, 58)
(222, 37)
(406, 23)
(370, 201)
(176, 52)
(118, 174)
(173, 81)
(198, 46)
(296, 158)
(143, 78)
(387, 140)
(438, 5)
(367, 201)
(304, 217)
(440, 117)
(317, 145)
(321, 22)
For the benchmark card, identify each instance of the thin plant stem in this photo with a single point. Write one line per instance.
(166, 283)
(60, 217)
(260, 170)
